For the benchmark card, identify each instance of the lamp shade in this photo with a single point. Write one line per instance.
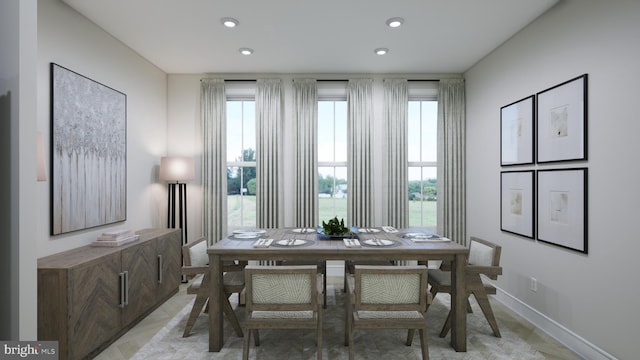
(176, 168)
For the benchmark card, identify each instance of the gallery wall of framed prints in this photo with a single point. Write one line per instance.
(544, 176)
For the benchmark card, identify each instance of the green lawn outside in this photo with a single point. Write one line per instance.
(328, 208)
(236, 217)
(420, 214)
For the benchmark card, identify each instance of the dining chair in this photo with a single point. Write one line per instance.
(350, 265)
(196, 266)
(387, 297)
(282, 297)
(322, 268)
(483, 261)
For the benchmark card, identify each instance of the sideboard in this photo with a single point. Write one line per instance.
(89, 296)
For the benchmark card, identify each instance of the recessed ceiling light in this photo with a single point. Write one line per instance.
(381, 51)
(395, 22)
(246, 51)
(230, 22)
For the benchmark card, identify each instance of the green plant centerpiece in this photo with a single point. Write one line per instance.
(335, 227)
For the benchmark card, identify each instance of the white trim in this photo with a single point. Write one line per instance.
(568, 338)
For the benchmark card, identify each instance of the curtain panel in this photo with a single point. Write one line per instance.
(396, 107)
(214, 159)
(268, 154)
(360, 173)
(451, 160)
(305, 118)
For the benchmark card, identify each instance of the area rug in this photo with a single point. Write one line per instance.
(168, 343)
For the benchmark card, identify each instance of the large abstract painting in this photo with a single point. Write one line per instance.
(89, 152)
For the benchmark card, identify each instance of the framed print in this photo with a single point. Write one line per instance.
(517, 202)
(562, 208)
(516, 132)
(562, 121)
(89, 152)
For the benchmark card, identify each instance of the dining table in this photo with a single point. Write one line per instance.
(309, 244)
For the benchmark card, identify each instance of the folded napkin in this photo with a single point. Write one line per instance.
(432, 239)
(389, 229)
(368, 230)
(351, 243)
(262, 243)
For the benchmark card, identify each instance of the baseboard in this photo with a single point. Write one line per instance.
(568, 338)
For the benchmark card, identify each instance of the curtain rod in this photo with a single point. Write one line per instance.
(234, 79)
(328, 80)
(410, 80)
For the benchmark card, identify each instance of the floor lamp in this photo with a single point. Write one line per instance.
(177, 170)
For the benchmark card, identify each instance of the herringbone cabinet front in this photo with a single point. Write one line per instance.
(89, 296)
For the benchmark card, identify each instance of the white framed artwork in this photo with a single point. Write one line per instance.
(562, 208)
(517, 202)
(562, 122)
(517, 132)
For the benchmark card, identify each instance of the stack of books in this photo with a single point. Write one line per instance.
(115, 238)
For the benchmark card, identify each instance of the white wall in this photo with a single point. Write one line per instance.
(184, 139)
(18, 84)
(594, 296)
(9, 90)
(70, 40)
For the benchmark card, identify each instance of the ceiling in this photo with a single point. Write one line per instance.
(312, 36)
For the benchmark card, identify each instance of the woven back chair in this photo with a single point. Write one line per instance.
(322, 268)
(387, 297)
(283, 297)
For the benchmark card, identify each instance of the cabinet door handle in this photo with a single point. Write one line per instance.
(122, 289)
(160, 269)
(126, 288)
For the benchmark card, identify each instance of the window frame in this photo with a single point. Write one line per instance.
(239, 91)
(332, 91)
(423, 91)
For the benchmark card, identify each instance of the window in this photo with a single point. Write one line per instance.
(241, 163)
(422, 157)
(332, 159)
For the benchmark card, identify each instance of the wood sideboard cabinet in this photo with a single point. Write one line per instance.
(89, 296)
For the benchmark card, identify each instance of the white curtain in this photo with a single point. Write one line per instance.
(268, 128)
(214, 159)
(451, 160)
(396, 103)
(305, 118)
(359, 179)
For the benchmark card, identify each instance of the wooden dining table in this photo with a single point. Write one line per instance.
(375, 245)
